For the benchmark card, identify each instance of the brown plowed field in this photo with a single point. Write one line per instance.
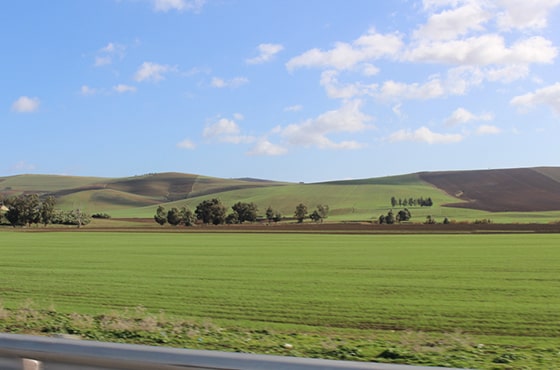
(148, 225)
(508, 190)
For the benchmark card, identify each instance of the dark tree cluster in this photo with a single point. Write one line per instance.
(390, 218)
(272, 215)
(410, 202)
(214, 212)
(29, 209)
(210, 211)
(318, 215)
(174, 216)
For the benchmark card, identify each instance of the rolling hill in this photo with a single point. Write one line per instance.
(462, 195)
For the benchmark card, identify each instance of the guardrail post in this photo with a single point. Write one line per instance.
(29, 364)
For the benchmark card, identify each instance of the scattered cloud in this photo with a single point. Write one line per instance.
(314, 132)
(520, 14)
(424, 135)
(25, 104)
(121, 88)
(102, 60)
(87, 90)
(22, 166)
(294, 108)
(152, 72)
(345, 56)
(226, 131)
(266, 53)
(461, 116)
(451, 23)
(179, 5)
(549, 95)
(233, 83)
(106, 54)
(186, 144)
(488, 130)
(263, 147)
(483, 50)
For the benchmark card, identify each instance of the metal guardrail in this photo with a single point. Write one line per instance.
(35, 350)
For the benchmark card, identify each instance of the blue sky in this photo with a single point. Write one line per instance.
(287, 90)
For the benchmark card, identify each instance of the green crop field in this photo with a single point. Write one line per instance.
(479, 301)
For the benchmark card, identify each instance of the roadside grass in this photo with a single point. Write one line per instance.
(478, 301)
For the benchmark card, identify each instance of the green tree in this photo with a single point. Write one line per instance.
(211, 211)
(245, 212)
(393, 201)
(390, 218)
(301, 212)
(24, 210)
(187, 217)
(269, 214)
(403, 215)
(161, 216)
(381, 219)
(277, 217)
(173, 216)
(430, 220)
(320, 213)
(47, 210)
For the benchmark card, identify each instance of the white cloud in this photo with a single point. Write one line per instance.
(507, 73)
(233, 83)
(397, 110)
(87, 90)
(25, 104)
(22, 166)
(186, 144)
(345, 56)
(107, 53)
(124, 88)
(226, 131)
(549, 95)
(223, 126)
(522, 14)
(424, 135)
(103, 60)
(336, 90)
(266, 53)
(265, 147)
(436, 4)
(451, 23)
(398, 90)
(488, 130)
(152, 72)
(179, 5)
(294, 108)
(461, 116)
(313, 132)
(484, 50)
(369, 70)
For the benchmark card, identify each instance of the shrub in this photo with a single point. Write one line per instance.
(101, 215)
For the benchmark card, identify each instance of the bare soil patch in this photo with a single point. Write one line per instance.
(508, 190)
(148, 225)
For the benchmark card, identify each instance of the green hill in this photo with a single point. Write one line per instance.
(500, 195)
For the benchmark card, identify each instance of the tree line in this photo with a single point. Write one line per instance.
(214, 212)
(29, 209)
(410, 201)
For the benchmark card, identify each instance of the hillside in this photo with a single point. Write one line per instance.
(506, 190)
(461, 195)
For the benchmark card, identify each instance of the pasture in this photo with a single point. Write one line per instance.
(480, 301)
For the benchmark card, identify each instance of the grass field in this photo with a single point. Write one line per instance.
(479, 301)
